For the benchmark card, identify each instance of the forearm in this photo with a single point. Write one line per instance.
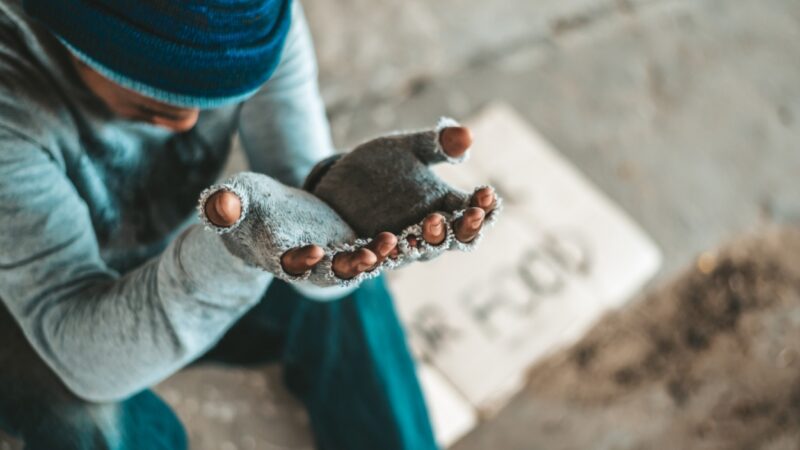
(108, 338)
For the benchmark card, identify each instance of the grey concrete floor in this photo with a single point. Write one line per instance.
(684, 112)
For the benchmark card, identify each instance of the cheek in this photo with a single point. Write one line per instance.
(122, 109)
(123, 103)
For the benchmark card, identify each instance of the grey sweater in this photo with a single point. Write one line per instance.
(102, 261)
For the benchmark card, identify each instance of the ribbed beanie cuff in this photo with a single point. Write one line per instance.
(200, 53)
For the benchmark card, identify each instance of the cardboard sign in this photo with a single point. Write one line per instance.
(560, 255)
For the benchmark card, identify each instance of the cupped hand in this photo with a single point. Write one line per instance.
(329, 244)
(224, 208)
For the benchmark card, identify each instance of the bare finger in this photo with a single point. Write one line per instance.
(468, 226)
(455, 141)
(223, 208)
(434, 230)
(350, 264)
(383, 244)
(297, 261)
(484, 199)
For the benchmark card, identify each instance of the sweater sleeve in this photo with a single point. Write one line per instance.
(283, 127)
(104, 335)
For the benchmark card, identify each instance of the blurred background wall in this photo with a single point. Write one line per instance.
(685, 112)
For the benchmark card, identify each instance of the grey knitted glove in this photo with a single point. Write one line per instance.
(386, 185)
(382, 185)
(276, 218)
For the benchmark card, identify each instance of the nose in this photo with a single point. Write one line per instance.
(178, 124)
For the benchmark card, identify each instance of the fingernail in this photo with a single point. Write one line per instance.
(485, 199)
(228, 207)
(385, 248)
(438, 228)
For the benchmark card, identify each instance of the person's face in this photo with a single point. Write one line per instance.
(134, 106)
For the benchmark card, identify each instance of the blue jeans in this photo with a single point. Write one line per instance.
(346, 360)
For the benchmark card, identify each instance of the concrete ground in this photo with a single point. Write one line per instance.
(685, 112)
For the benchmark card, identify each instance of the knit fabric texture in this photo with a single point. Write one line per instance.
(384, 184)
(199, 53)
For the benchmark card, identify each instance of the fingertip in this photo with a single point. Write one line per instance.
(223, 208)
(315, 251)
(434, 220)
(455, 141)
(484, 198)
(366, 259)
(314, 254)
(474, 213)
(387, 238)
(434, 231)
(295, 262)
(434, 217)
(383, 244)
(229, 206)
(469, 225)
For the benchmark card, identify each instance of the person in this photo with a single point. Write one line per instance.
(114, 116)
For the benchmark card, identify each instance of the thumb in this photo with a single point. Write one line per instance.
(455, 141)
(223, 208)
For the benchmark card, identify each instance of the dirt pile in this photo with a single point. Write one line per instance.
(710, 360)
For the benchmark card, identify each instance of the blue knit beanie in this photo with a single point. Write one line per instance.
(191, 53)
